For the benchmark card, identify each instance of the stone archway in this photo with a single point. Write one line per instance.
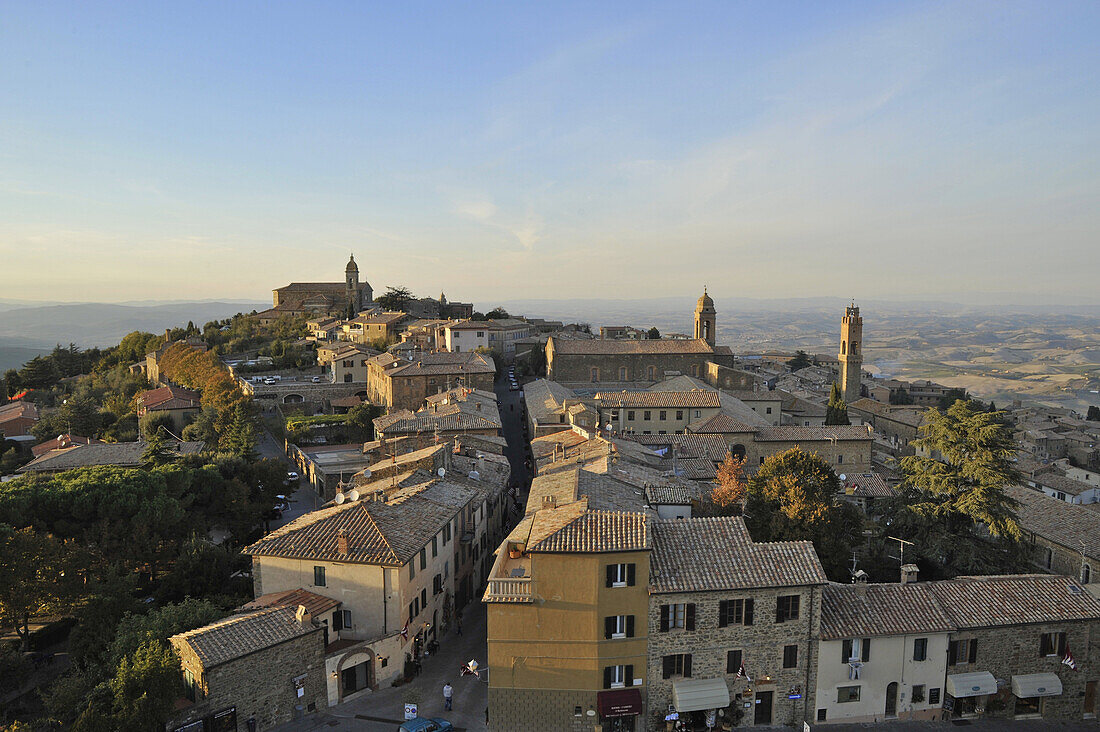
(348, 670)
(738, 451)
(293, 399)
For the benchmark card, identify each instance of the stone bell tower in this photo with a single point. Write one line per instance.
(351, 281)
(851, 353)
(705, 316)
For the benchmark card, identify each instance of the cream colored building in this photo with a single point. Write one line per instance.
(882, 653)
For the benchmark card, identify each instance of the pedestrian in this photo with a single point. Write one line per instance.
(448, 694)
(458, 623)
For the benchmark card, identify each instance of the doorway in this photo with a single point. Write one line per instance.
(1090, 699)
(763, 713)
(892, 699)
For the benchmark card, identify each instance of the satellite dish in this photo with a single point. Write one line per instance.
(474, 475)
(441, 472)
(365, 472)
(843, 477)
(339, 498)
(353, 495)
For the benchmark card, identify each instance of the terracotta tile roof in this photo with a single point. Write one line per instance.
(16, 410)
(856, 611)
(1065, 524)
(239, 635)
(61, 442)
(313, 603)
(447, 363)
(170, 397)
(577, 530)
(447, 419)
(696, 398)
(905, 415)
(702, 554)
(792, 433)
(868, 485)
(619, 347)
(118, 454)
(720, 423)
(672, 495)
(712, 447)
(1062, 483)
(997, 600)
(336, 288)
(378, 533)
(694, 468)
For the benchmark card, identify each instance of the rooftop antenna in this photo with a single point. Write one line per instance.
(901, 544)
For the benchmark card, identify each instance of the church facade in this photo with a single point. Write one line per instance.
(641, 361)
(325, 296)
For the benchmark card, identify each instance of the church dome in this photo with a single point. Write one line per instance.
(352, 266)
(705, 301)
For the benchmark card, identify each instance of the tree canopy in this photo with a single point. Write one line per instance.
(795, 496)
(800, 361)
(837, 411)
(395, 299)
(962, 467)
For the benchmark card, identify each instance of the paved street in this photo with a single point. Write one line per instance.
(511, 419)
(382, 709)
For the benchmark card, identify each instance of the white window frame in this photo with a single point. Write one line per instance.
(620, 627)
(618, 677)
(620, 576)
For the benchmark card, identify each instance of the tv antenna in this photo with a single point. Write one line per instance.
(901, 545)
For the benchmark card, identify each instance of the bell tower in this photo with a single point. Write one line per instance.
(705, 316)
(351, 279)
(851, 353)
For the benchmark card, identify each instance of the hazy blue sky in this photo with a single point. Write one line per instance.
(158, 150)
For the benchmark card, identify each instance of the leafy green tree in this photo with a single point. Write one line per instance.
(155, 423)
(157, 450)
(78, 415)
(962, 467)
(38, 575)
(653, 334)
(135, 631)
(795, 496)
(108, 597)
(900, 397)
(395, 299)
(204, 569)
(837, 411)
(951, 397)
(497, 313)
(800, 361)
(13, 382)
(13, 668)
(203, 428)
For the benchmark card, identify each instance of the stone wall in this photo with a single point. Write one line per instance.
(726, 377)
(1062, 560)
(1014, 650)
(568, 368)
(262, 684)
(761, 645)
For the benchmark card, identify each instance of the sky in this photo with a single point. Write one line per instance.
(550, 150)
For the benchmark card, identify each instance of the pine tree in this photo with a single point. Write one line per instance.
(240, 437)
(837, 411)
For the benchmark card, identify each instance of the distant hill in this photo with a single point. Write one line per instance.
(101, 324)
(13, 357)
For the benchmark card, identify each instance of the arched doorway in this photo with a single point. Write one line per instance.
(738, 451)
(293, 399)
(892, 699)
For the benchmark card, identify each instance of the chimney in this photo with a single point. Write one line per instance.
(548, 502)
(342, 542)
(909, 573)
(302, 616)
(166, 338)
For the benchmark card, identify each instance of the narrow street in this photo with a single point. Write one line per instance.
(512, 425)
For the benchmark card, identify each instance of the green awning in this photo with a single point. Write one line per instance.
(691, 695)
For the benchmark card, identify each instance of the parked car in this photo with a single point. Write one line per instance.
(291, 477)
(281, 504)
(423, 724)
(316, 379)
(269, 381)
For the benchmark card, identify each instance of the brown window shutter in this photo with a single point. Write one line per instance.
(629, 675)
(687, 665)
(629, 626)
(664, 618)
(865, 650)
(846, 651)
(1062, 644)
(953, 653)
(607, 677)
(723, 608)
(748, 611)
(630, 575)
(973, 650)
(608, 626)
(666, 670)
(689, 617)
(610, 574)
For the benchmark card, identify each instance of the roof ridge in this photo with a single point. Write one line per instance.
(231, 620)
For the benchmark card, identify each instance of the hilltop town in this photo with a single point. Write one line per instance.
(328, 509)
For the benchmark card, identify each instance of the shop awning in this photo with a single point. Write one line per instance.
(690, 695)
(619, 703)
(973, 684)
(1029, 685)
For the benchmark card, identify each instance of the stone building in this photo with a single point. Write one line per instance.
(396, 383)
(657, 412)
(267, 666)
(628, 361)
(325, 296)
(181, 405)
(897, 425)
(1065, 538)
(851, 353)
(731, 630)
(1007, 658)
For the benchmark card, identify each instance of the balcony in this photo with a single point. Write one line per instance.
(510, 578)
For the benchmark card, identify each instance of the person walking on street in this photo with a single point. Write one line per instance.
(448, 694)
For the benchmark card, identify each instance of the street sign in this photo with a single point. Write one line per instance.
(410, 711)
